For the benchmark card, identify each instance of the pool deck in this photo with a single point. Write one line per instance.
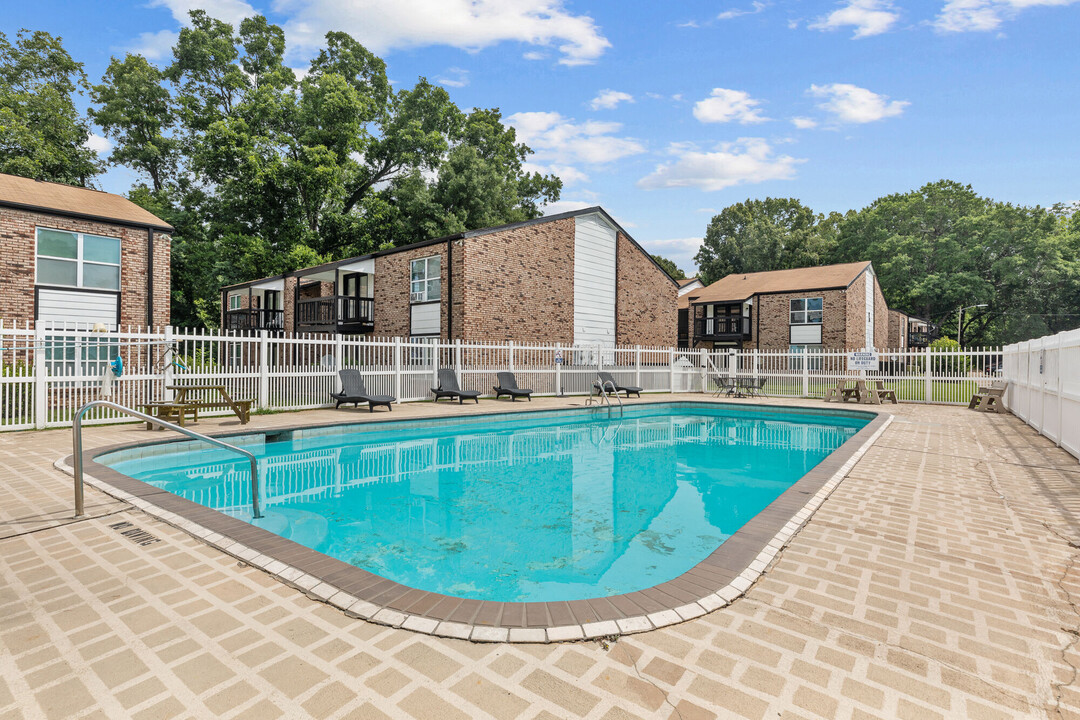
(937, 580)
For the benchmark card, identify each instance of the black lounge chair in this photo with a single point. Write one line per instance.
(508, 386)
(354, 391)
(448, 387)
(609, 382)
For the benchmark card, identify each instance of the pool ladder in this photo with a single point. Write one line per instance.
(77, 453)
(604, 396)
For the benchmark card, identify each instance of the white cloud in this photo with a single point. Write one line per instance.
(804, 123)
(725, 105)
(468, 24)
(558, 140)
(853, 104)
(680, 251)
(154, 45)
(562, 206)
(534, 55)
(567, 173)
(609, 99)
(755, 8)
(231, 11)
(985, 15)
(747, 160)
(868, 17)
(454, 77)
(98, 143)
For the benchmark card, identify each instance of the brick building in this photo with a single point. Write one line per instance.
(575, 278)
(832, 307)
(75, 256)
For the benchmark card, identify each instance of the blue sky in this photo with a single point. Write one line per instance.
(665, 113)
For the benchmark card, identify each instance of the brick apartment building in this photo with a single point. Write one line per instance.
(832, 307)
(72, 256)
(575, 278)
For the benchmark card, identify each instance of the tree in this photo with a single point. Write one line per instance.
(137, 112)
(42, 134)
(670, 267)
(762, 235)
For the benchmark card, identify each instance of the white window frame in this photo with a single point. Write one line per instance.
(802, 317)
(239, 304)
(78, 260)
(424, 295)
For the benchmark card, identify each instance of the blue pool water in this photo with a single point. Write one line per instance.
(525, 507)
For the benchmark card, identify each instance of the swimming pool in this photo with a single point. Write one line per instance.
(536, 507)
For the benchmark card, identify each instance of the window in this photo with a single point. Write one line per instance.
(426, 285)
(234, 302)
(806, 311)
(77, 260)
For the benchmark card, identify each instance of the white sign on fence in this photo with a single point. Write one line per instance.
(862, 361)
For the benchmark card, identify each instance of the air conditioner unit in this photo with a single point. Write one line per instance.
(418, 297)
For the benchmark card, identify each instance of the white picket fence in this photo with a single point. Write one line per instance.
(45, 376)
(1044, 386)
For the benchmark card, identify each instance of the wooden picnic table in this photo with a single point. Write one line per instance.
(223, 401)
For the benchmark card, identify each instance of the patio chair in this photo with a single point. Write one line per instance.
(753, 387)
(884, 393)
(609, 382)
(353, 390)
(508, 386)
(724, 386)
(448, 387)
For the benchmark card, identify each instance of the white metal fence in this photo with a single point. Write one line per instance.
(45, 376)
(1044, 386)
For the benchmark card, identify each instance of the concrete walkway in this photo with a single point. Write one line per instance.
(937, 581)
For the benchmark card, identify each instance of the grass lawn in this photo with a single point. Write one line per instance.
(944, 391)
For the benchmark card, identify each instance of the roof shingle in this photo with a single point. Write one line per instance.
(84, 202)
(738, 287)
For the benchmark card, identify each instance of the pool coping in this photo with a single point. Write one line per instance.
(727, 573)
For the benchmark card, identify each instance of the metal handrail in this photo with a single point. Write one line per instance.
(76, 444)
(603, 391)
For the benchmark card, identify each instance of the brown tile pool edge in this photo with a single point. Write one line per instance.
(716, 581)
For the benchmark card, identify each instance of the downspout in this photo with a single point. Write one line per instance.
(150, 278)
(450, 289)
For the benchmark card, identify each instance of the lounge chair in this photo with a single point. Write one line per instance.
(724, 386)
(609, 382)
(448, 387)
(508, 386)
(884, 393)
(353, 390)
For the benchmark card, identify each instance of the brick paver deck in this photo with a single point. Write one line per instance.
(938, 580)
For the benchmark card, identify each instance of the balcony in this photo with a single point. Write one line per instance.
(343, 314)
(920, 339)
(732, 327)
(255, 319)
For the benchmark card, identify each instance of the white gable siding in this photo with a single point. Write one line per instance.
(869, 308)
(594, 281)
(63, 308)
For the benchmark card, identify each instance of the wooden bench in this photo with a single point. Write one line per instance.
(173, 412)
(884, 393)
(989, 399)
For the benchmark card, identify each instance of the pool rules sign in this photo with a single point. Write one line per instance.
(863, 360)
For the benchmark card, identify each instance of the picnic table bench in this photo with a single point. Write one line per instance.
(220, 400)
(989, 399)
(170, 412)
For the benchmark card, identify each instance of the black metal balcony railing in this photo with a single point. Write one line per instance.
(255, 319)
(336, 313)
(729, 327)
(920, 339)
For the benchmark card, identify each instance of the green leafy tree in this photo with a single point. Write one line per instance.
(669, 267)
(762, 235)
(42, 134)
(138, 113)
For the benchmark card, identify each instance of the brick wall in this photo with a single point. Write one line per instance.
(897, 330)
(646, 301)
(518, 284)
(18, 242)
(774, 323)
(391, 290)
(856, 320)
(881, 318)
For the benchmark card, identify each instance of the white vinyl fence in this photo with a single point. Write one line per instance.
(45, 376)
(1044, 386)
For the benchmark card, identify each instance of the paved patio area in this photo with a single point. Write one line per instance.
(938, 580)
